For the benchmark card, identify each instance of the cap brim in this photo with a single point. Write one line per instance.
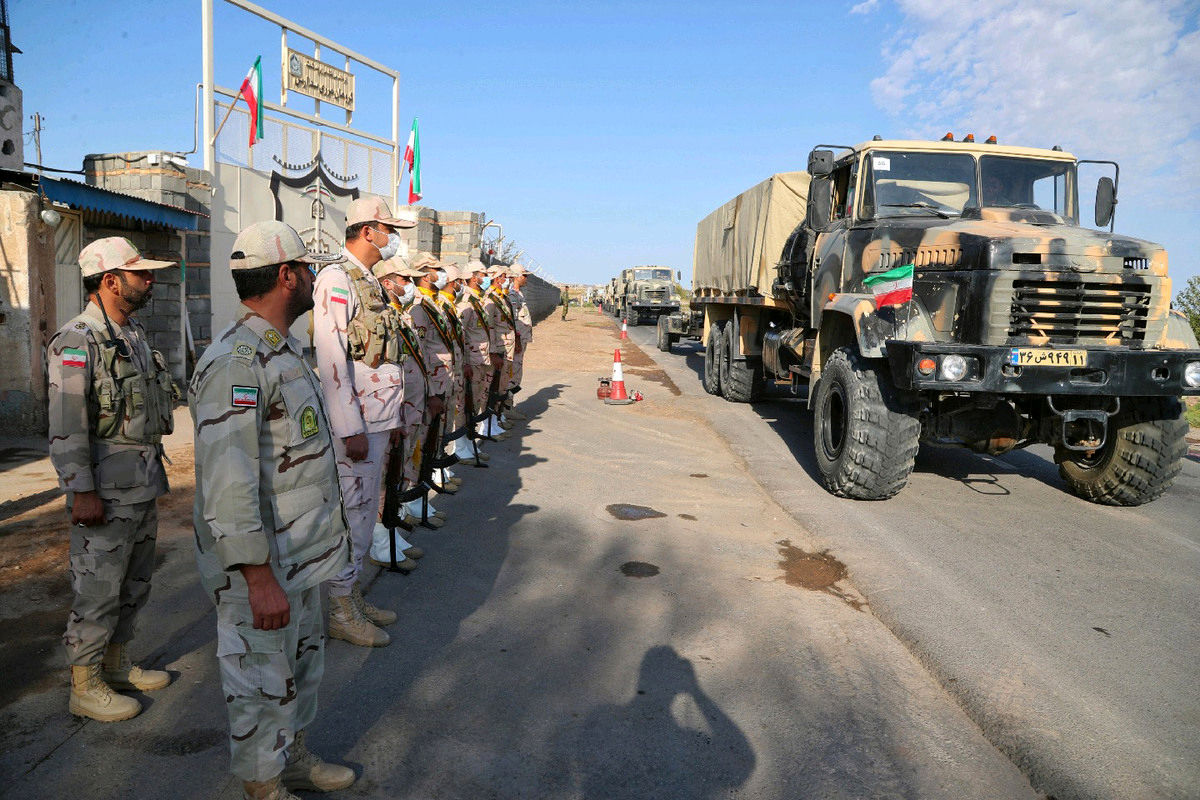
(321, 258)
(146, 263)
(398, 223)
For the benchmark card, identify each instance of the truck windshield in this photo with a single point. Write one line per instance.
(652, 274)
(918, 184)
(1028, 183)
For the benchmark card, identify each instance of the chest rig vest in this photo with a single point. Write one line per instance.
(135, 406)
(373, 335)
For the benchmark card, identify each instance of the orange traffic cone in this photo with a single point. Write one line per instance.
(617, 395)
(624, 333)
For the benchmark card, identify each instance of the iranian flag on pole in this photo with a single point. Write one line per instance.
(252, 91)
(893, 287)
(412, 157)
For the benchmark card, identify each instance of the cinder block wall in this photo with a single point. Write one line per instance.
(541, 296)
(26, 304)
(452, 236)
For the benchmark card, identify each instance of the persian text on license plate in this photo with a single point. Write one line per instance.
(1036, 357)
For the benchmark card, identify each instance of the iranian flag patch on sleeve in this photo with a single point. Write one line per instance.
(74, 357)
(245, 396)
(339, 295)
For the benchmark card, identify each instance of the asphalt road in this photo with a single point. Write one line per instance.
(616, 609)
(1068, 631)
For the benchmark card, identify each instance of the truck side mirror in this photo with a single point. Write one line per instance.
(1106, 201)
(820, 203)
(820, 163)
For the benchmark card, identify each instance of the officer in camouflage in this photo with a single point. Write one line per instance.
(479, 362)
(269, 520)
(360, 361)
(524, 330)
(110, 404)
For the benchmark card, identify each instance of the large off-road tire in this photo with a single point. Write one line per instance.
(664, 338)
(866, 436)
(714, 347)
(741, 381)
(1142, 454)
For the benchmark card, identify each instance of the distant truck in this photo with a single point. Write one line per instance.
(642, 294)
(944, 293)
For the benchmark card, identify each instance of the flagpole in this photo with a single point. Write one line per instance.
(223, 121)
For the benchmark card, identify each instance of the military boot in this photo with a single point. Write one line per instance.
(266, 790)
(376, 615)
(92, 697)
(515, 415)
(120, 674)
(305, 770)
(347, 623)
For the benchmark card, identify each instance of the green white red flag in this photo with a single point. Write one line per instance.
(891, 288)
(412, 157)
(252, 91)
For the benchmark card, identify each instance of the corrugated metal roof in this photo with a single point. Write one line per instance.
(82, 195)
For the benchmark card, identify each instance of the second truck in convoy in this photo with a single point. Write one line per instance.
(642, 294)
(945, 293)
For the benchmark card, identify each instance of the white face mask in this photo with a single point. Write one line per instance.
(440, 281)
(391, 248)
(410, 291)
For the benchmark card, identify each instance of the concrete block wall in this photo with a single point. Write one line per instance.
(26, 305)
(541, 296)
(452, 236)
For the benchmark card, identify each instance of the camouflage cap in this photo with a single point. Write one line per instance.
(453, 271)
(114, 252)
(273, 242)
(423, 261)
(473, 266)
(396, 265)
(516, 271)
(372, 208)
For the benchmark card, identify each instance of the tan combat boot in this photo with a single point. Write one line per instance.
(266, 790)
(347, 623)
(120, 674)
(376, 615)
(92, 697)
(305, 770)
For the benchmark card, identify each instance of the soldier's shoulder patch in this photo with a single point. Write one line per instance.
(74, 357)
(243, 350)
(81, 326)
(244, 396)
(308, 422)
(272, 336)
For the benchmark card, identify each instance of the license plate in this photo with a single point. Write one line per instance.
(1036, 357)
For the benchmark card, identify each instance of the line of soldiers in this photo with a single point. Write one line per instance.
(417, 362)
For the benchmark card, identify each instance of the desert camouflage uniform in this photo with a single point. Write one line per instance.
(477, 336)
(414, 418)
(456, 414)
(266, 492)
(108, 414)
(505, 327)
(360, 399)
(524, 331)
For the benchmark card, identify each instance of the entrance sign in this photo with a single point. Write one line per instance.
(317, 79)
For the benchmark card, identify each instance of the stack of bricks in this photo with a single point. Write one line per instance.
(452, 236)
(151, 176)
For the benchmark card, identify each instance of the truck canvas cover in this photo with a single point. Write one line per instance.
(738, 245)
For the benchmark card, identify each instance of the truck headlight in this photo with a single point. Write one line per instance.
(1191, 375)
(952, 368)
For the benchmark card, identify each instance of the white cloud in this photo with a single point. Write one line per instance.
(1113, 79)
(865, 7)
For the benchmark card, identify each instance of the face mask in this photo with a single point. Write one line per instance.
(440, 281)
(459, 292)
(391, 248)
(485, 284)
(410, 290)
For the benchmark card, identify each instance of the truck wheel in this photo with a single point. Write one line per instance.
(713, 348)
(1143, 453)
(664, 338)
(866, 439)
(741, 381)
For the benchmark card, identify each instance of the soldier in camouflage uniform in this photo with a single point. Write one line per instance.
(524, 330)
(477, 335)
(505, 324)
(447, 298)
(360, 361)
(110, 404)
(269, 521)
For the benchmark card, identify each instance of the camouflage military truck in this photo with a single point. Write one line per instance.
(644, 293)
(944, 293)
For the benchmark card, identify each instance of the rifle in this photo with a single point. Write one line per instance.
(432, 458)
(494, 398)
(391, 501)
(468, 427)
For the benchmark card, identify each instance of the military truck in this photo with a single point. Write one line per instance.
(944, 293)
(644, 293)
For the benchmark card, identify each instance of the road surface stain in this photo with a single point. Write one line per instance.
(817, 572)
(638, 569)
(698, 475)
(689, 517)
(628, 512)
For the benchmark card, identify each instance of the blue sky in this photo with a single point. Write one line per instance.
(600, 134)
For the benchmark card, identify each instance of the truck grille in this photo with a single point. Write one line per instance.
(1080, 312)
(654, 294)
